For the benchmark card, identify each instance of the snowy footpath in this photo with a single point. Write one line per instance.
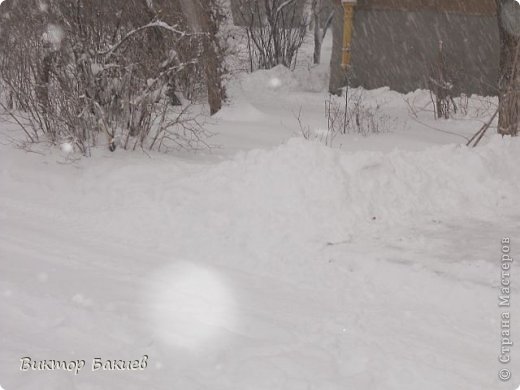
(288, 265)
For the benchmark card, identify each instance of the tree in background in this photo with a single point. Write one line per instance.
(275, 30)
(337, 79)
(204, 17)
(320, 26)
(508, 12)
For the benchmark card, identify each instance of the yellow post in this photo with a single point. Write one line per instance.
(348, 19)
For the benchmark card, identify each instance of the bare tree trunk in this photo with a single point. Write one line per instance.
(316, 7)
(199, 16)
(508, 12)
(337, 74)
(43, 82)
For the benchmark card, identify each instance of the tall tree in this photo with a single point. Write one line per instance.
(508, 12)
(202, 17)
(320, 29)
(337, 79)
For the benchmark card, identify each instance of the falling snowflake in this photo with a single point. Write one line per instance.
(53, 36)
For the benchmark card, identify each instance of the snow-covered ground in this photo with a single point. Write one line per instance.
(269, 261)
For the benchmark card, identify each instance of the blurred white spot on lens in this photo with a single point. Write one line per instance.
(188, 305)
(53, 36)
(275, 83)
(66, 148)
(43, 6)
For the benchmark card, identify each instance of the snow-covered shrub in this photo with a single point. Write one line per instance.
(97, 72)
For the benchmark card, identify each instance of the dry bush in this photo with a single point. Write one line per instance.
(441, 87)
(91, 72)
(275, 31)
(353, 115)
(350, 114)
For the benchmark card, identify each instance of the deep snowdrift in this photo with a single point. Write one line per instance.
(297, 195)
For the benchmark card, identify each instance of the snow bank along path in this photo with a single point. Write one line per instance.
(329, 270)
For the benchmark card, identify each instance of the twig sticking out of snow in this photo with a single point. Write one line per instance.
(482, 131)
